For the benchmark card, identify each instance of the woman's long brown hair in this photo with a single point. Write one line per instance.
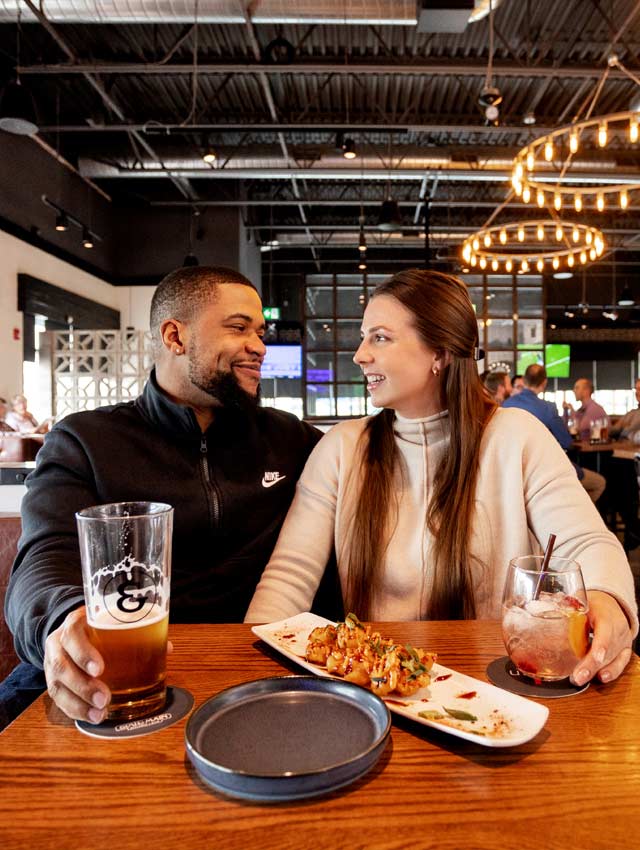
(444, 318)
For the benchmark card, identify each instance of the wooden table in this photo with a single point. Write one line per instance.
(576, 785)
(623, 446)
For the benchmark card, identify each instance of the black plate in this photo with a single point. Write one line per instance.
(286, 738)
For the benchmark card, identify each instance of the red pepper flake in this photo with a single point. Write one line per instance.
(288, 637)
(425, 700)
(442, 678)
(467, 695)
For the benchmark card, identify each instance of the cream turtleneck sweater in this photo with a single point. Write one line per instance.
(526, 489)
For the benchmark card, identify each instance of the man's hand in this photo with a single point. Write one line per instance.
(611, 646)
(72, 666)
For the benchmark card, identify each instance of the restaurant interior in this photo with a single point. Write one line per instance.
(318, 148)
(318, 151)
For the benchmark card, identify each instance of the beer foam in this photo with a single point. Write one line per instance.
(104, 621)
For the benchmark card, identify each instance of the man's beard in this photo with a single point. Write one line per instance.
(224, 387)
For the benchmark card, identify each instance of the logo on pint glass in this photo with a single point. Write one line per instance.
(130, 591)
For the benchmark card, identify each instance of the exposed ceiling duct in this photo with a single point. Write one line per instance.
(387, 12)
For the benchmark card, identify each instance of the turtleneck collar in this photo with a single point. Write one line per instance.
(430, 429)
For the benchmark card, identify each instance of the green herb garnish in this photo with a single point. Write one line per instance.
(431, 715)
(460, 715)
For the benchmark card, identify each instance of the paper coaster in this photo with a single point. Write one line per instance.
(503, 673)
(179, 703)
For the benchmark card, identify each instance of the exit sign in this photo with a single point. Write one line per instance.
(271, 312)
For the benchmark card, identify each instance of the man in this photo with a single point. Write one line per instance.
(517, 384)
(498, 384)
(628, 427)
(197, 439)
(589, 412)
(535, 383)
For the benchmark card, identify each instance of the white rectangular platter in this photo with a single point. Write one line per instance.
(502, 719)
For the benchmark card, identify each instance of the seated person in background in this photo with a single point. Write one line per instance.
(535, 383)
(21, 420)
(498, 385)
(428, 500)
(589, 412)
(517, 383)
(4, 426)
(628, 426)
(195, 438)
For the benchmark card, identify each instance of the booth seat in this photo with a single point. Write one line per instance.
(10, 529)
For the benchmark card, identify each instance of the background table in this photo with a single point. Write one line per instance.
(576, 785)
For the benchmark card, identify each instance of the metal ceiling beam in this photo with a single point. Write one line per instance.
(155, 128)
(184, 188)
(347, 202)
(96, 169)
(451, 68)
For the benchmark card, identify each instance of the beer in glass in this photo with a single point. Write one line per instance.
(125, 550)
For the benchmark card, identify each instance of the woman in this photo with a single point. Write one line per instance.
(21, 420)
(427, 501)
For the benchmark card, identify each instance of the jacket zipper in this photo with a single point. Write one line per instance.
(213, 500)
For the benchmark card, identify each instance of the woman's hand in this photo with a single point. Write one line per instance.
(611, 646)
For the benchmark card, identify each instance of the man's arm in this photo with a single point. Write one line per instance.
(46, 582)
(558, 428)
(621, 424)
(44, 602)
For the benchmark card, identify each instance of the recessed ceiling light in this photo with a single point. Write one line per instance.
(562, 275)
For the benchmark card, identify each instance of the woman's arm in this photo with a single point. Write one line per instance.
(557, 503)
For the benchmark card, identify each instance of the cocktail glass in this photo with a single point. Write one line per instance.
(545, 626)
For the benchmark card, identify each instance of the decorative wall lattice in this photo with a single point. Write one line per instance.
(94, 368)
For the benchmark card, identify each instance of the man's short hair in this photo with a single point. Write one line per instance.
(494, 380)
(589, 384)
(534, 375)
(184, 292)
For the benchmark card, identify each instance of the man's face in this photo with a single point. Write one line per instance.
(505, 389)
(638, 391)
(225, 348)
(517, 385)
(581, 390)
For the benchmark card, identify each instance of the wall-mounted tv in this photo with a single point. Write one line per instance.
(558, 360)
(282, 361)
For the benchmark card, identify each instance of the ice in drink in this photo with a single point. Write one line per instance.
(546, 637)
(135, 660)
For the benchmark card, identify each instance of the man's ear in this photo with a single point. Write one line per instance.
(171, 333)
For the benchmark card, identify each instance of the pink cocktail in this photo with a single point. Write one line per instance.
(545, 625)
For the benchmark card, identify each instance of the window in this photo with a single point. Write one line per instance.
(332, 383)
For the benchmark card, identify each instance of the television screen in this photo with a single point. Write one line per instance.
(527, 358)
(557, 358)
(282, 361)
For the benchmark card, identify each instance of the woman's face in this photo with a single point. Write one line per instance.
(396, 361)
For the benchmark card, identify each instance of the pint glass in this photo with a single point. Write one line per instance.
(125, 549)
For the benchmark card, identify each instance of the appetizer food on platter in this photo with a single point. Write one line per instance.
(352, 651)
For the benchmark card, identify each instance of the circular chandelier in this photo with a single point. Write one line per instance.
(529, 245)
(526, 177)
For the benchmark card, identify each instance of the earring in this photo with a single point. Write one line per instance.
(435, 370)
(177, 350)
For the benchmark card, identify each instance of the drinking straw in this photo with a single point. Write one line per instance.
(545, 563)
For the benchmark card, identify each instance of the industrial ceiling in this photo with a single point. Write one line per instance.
(133, 94)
